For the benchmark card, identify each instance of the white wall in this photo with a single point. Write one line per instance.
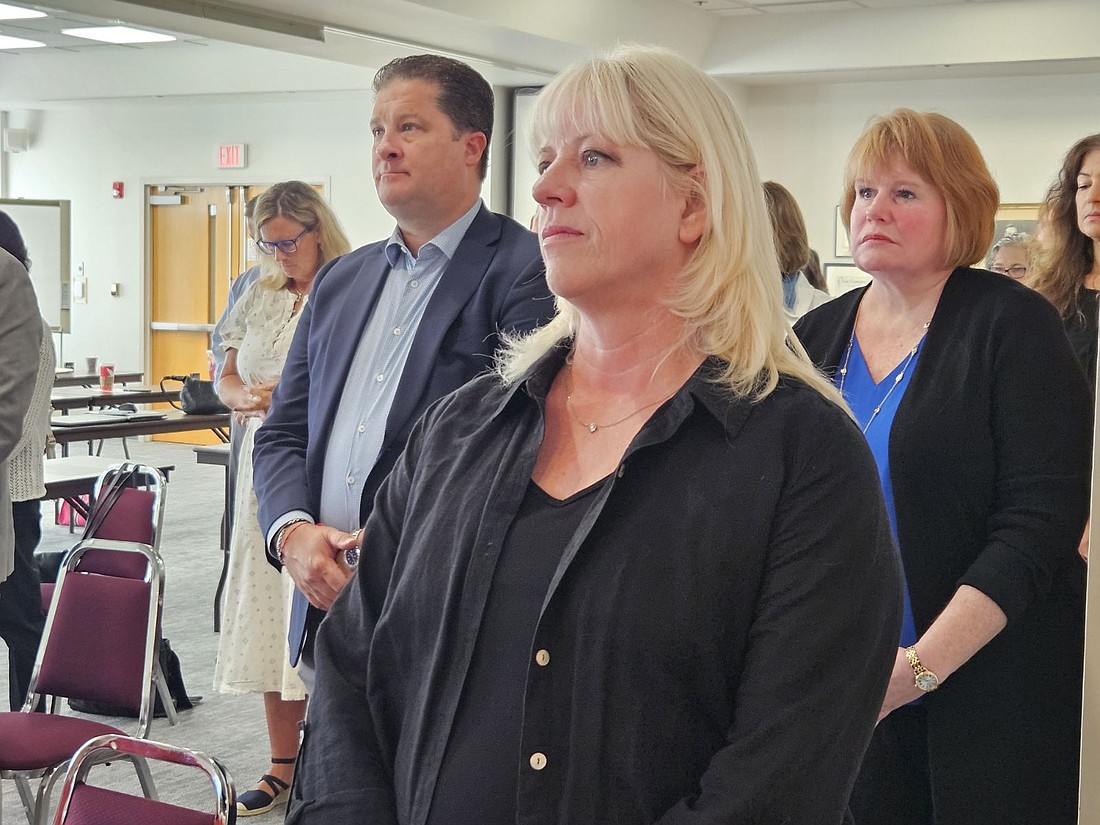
(78, 151)
(801, 134)
(1024, 126)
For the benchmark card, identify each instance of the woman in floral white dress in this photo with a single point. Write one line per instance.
(298, 234)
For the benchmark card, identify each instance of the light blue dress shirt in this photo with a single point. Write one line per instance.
(359, 426)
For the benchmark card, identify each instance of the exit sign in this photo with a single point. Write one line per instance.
(233, 156)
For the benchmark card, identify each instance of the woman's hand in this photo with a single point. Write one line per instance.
(902, 688)
(255, 401)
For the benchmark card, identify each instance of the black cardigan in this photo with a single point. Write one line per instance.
(990, 461)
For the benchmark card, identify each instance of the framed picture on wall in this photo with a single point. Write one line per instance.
(1012, 219)
(841, 248)
(1016, 219)
(842, 277)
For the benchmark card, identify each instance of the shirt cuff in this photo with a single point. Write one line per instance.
(293, 515)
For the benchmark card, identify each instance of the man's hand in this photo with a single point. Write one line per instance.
(309, 556)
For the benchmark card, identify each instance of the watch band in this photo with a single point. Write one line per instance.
(923, 678)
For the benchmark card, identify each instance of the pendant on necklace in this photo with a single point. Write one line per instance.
(593, 427)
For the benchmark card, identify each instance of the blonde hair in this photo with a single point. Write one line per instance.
(301, 203)
(1060, 270)
(946, 156)
(730, 297)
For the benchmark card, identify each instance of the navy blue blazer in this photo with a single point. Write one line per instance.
(495, 282)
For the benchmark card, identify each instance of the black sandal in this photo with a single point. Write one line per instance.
(255, 802)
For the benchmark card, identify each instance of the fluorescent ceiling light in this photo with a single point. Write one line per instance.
(17, 13)
(118, 34)
(18, 43)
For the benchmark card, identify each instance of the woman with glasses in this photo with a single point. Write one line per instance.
(298, 234)
(1010, 256)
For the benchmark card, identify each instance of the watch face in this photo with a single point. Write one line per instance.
(351, 556)
(927, 681)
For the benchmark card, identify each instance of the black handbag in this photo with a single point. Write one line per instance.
(197, 396)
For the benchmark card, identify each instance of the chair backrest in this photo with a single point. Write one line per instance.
(101, 636)
(134, 514)
(83, 804)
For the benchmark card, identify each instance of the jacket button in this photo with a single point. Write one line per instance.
(542, 658)
(538, 761)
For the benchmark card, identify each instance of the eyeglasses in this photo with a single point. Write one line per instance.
(290, 245)
(1016, 272)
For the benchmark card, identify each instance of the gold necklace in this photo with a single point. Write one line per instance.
(592, 426)
(897, 378)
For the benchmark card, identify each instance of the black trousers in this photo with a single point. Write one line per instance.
(894, 785)
(21, 619)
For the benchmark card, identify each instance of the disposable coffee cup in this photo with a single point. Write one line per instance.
(107, 377)
(91, 362)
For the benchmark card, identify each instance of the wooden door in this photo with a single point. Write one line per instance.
(190, 254)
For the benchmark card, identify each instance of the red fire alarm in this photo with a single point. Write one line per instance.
(117, 189)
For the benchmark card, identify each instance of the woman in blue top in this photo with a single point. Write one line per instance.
(978, 417)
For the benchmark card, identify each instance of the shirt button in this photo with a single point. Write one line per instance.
(362, 428)
(397, 330)
(380, 378)
(351, 479)
(538, 761)
(414, 284)
(542, 658)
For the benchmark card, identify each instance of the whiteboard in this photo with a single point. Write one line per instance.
(44, 226)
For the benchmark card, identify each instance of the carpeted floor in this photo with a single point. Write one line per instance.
(230, 728)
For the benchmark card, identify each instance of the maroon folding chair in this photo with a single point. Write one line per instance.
(84, 804)
(99, 645)
(125, 514)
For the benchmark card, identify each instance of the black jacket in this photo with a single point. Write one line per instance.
(989, 460)
(720, 627)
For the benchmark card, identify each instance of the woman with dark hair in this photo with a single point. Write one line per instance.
(1068, 270)
(297, 233)
(803, 287)
(977, 414)
(21, 619)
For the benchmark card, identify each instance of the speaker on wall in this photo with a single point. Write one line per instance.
(16, 140)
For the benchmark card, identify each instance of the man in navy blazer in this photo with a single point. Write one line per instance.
(391, 327)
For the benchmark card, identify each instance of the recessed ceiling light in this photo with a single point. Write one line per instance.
(18, 43)
(118, 34)
(17, 13)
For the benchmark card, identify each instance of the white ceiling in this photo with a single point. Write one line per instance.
(731, 8)
(279, 47)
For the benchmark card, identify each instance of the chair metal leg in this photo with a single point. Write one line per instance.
(145, 777)
(165, 694)
(45, 791)
(30, 807)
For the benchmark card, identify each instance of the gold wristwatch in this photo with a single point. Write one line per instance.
(925, 679)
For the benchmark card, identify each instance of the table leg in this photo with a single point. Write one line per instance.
(225, 539)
